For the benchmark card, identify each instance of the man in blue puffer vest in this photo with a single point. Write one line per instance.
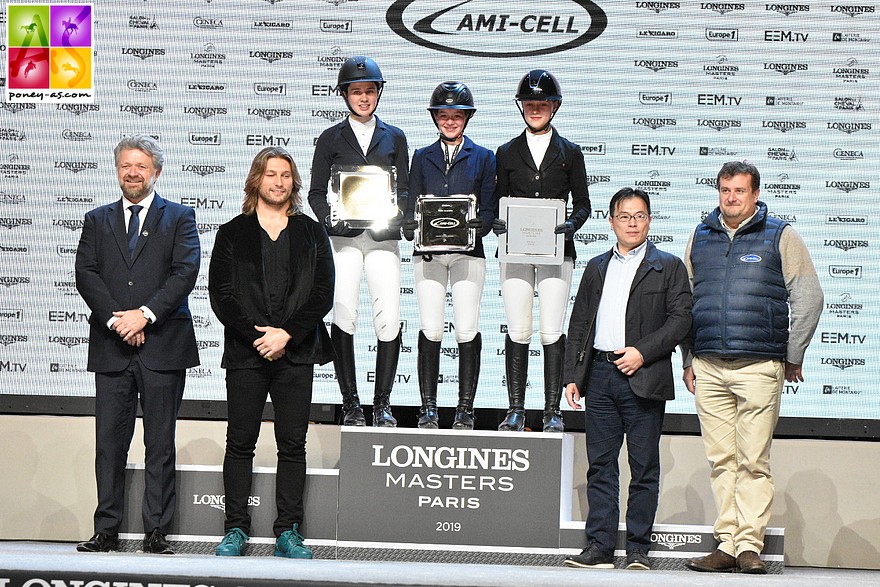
(757, 302)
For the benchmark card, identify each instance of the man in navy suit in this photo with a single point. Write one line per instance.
(137, 261)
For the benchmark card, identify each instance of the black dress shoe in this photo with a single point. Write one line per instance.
(155, 543)
(100, 542)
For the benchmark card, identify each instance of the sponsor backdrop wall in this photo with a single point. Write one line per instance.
(658, 95)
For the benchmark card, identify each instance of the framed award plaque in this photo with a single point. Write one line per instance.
(365, 196)
(443, 223)
(530, 225)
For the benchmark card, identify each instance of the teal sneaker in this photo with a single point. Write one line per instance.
(232, 544)
(290, 545)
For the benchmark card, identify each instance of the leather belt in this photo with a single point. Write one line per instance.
(608, 356)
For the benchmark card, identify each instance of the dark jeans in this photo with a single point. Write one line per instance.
(612, 410)
(290, 387)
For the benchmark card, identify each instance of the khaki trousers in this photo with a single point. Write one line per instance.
(738, 404)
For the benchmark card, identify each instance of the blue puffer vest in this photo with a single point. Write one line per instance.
(740, 300)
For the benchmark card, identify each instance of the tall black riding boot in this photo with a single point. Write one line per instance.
(387, 354)
(428, 365)
(343, 344)
(468, 375)
(516, 366)
(553, 357)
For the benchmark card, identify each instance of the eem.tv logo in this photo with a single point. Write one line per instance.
(495, 28)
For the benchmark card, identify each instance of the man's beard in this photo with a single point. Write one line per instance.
(137, 193)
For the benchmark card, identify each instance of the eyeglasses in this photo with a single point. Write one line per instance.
(639, 217)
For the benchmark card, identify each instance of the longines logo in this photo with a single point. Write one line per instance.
(205, 111)
(845, 271)
(13, 169)
(655, 65)
(218, 501)
(845, 307)
(455, 27)
(142, 22)
(716, 152)
(198, 138)
(848, 186)
(849, 127)
(846, 244)
(782, 188)
(78, 109)
(8, 339)
(141, 110)
(780, 36)
(72, 224)
(65, 199)
(75, 135)
(332, 60)
(653, 98)
(721, 69)
(718, 100)
(594, 179)
(646, 150)
(67, 287)
(654, 123)
(7, 198)
(208, 57)
(787, 9)
(782, 101)
(207, 22)
(271, 56)
(658, 7)
(449, 351)
(266, 89)
(143, 53)
(206, 227)
(69, 341)
(331, 115)
(593, 149)
(590, 237)
(76, 166)
(269, 113)
(273, 25)
(660, 238)
(848, 155)
(842, 363)
(851, 72)
(722, 34)
(718, 124)
(266, 141)
(12, 134)
(206, 87)
(722, 7)
(207, 344)
(673, 540)
(14, 108)
(11, 223)
(203, 170)
(784, 126)
(11, 281)
(781, 154)
(657, 34)
(853, 11)
(786, 68)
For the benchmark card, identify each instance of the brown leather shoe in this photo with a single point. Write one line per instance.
(717, 562)
(749, 562)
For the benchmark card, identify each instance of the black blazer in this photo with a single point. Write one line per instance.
(562, 173)
(160, 276)
(658, 317)
(338, 145)
(239, 297)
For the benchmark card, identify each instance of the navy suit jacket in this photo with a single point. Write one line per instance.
(338, 145)
(160, 275)
(239, 297)
(658, 317)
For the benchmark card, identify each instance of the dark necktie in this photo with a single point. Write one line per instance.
(134, 226)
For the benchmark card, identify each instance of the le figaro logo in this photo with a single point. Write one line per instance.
(507, 31)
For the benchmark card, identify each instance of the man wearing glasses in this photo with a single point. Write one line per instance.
(633, 307)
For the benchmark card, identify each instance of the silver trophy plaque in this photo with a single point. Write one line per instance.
(443, 223)
(365, 196)
(530, 225)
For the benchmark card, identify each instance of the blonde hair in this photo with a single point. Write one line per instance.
(255, 176)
